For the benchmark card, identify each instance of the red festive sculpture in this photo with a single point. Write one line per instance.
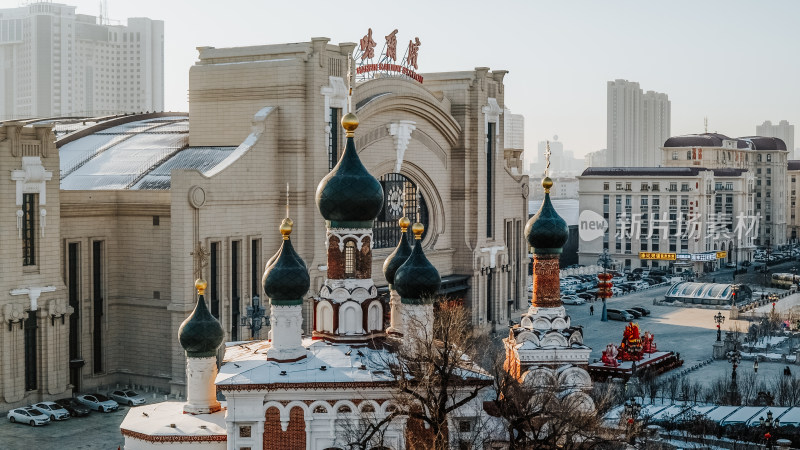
(631, 347)
(609, 357)
(649, 345)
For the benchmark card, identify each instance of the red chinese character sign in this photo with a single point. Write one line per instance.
(384, 64)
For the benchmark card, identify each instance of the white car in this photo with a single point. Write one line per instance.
(571, 300)
(52, 410)
(98, 402)
(28, 415)
(127, 397)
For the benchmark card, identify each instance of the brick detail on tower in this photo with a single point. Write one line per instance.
(546, 282)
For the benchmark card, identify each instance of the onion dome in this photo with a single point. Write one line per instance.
(349, 193)
(417, 280)
(200, 334)
(286, 280)
(400, 254)
(547, 232)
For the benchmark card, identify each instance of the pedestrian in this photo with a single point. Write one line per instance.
(591, 310)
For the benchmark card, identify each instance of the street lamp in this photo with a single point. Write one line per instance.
(734, 357)
(256, 317)
(632, 410)
(719, 319)
(768, 425)
(604, 287)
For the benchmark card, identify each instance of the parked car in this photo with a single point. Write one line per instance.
(634, 313)
(616, 314)
(52, 410)
(746, 263)
(642, 310)
(75, 408)
(586, 296)
(98, 402)
(127, 397)
(616, 291)
(27, 415)
(730, 265)
(572, 300)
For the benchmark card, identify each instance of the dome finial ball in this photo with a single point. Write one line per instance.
(404, 223)
(417, 229)
(201, 285)
(350, 123)
(547, 183)
(286, 228)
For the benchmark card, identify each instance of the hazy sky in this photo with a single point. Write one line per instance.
(736, 62)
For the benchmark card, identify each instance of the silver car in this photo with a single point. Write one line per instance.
(127, 397)
(27, 415)
(52, 410)
(98, 402)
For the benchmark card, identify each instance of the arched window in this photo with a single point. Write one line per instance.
(350, 259)
(400, 196)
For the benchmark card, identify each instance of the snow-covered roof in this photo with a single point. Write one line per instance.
(743, 415)
(166, 422)
(246, 367)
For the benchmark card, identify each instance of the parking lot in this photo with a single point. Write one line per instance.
(96, 431)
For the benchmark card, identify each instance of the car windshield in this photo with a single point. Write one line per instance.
(130, 393)
(22, 411)
(101, 398)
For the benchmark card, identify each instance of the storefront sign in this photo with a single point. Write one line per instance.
(721, 255)
(704, 256)
(370, 66)
(658, 256)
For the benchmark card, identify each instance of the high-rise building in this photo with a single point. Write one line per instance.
(54, 62)
(783, 130)
(638, 123)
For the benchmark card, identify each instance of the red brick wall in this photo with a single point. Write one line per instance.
(294, 438)
(546, 282)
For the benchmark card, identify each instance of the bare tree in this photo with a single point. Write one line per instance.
(434, 375)
(548, 417)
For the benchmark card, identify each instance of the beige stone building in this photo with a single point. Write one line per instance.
(141, 194)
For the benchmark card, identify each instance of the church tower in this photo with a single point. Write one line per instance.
(349, 199)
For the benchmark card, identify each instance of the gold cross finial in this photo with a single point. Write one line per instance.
(547, 159)
(200, 255)
(287, 200)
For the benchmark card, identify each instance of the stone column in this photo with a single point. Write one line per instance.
(395, 313)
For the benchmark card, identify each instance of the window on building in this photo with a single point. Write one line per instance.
(28, 229)
(644, 201)
(333, 138)
(758, 158)
(758, 182)
(350, 259)
(688, 154)
(627, 186)
(674, 155)
(489, 178)
(618, 186)
(644, 187)
(31, 376)
(255, 267)
(769, 159)
(769, 170)
(400, 193)
(673, 187)
(769, 182)
(605, 186)
(213, 280)
(236, 289)
(73, 296)
(684, 187)
(98, 295)
(655, 186)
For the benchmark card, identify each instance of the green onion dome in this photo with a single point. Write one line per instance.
(349, 193)
(547, 232)
(399, 255)
(417, 280)
(286, 279)
(200, 334)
